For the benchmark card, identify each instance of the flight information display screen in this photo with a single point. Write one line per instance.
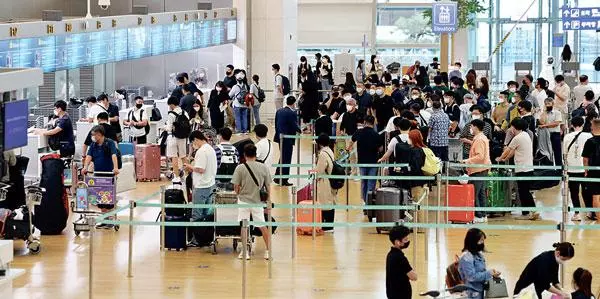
(172, 38)
(120, 43)
(138, 43)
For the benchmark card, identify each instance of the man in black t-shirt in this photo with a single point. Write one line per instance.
(113, 116)
(398, 271)
(351, 118)
(109, 132)
(323, 124)
(368, 145)
(591, 157)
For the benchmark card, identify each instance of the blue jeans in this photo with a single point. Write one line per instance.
(367, 185)
(202, 196)
(256, 111)
(241, 119)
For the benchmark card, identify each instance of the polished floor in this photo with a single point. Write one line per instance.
(349, 263)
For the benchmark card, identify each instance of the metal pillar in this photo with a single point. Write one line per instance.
(162, 217)
(130, 251)
(244, 253)
(92, 223)
(294, 201)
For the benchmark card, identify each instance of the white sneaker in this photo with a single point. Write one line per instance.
(478, 220)
(241, 255)
(267, 255)
(485, 219)
(576, 217)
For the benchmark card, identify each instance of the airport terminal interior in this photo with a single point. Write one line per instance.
(299, 149)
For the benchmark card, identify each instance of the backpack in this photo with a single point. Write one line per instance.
(241, 96)
(432, 163)
(401, 152)
(107, 151)
(453, 275)
(597, 64)
(579, 112)
(132, 117)
(336, 169)
(181, 125)
(285, 85)
(485, 105)
(229, 161)
(261, 96)
(156, 116)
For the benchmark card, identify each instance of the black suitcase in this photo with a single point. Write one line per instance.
(175, 236)
(540, 185)
(52, 214)
(240, 148)
(175, 196)
(204, 235)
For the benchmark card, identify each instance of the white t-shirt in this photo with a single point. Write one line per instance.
(135, 113)
(423, 118)
(278, 82)
(523, 147)
(94, 111)
(205, 158)
(264, 151)
(171, 118)
(574, 154)
(390, 125)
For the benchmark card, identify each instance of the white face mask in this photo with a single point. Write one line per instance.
(429, 104)
(218, 88)
(240, 76)
(55, 112)
(476, 116)
(415, 96)
(93, 138)
(372, 91)
(197, 108)
(359, 90)
(349, 107)
(379, 92)
(471, 131)
(559, 261)
(513, 89)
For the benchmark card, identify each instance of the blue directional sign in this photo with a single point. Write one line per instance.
(581, 18)
(444, 17)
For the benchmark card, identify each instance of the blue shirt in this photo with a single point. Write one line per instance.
(439, 124)
(66, 135)
(473, 272)
(102, 155)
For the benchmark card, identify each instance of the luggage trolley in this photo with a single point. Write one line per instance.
(228, 215)
(23, 229)
(100, 188)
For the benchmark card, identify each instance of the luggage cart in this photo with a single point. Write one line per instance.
(24, 229)
(228, 215)
(100, 188)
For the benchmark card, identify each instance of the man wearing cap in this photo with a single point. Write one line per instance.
(397, 94)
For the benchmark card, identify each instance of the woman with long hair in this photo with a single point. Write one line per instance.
(417, 160)
(350, 84)
(484, 87)
(375, 67)
(326, 75)
(217, 101)
(309, 103)
(542, 271)
(360, 71)
(566, 54)
(472, 266)
(471, 77)
(582, 283)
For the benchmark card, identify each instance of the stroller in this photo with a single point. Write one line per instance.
(17, 224)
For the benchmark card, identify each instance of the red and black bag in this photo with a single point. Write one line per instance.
(52, 213)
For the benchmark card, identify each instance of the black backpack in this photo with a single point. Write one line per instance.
(402, 153)
(285, 85)
(336, 169)
(132, 117)
(261, 96)
(579, 112)
(241, 96)
(181, 125)
(597, 64)
(156, 116)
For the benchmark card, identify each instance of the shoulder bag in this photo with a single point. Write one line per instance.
(264, 193)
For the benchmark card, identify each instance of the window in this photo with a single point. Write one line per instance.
(404, 25)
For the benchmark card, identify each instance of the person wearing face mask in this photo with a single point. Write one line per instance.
(455, 72)
(324, 165)
(364, 99)
(562, 96)
(138, 123)
(552, 119)
(414, 98)
(216, 103)
(398, 271)
(465, 110)
(526, 87)
(303, 67)
(63, 130)
(513, 110)
(108, 131)
(472, 266)
(452, 109)
(382, 107)
(204, 172)
(397, 95)
(334, 104)
(310, 100)
(501, 110)
(539, 95)
(198, 116)
(229, 79)
(237, 95)
(542, 271)
(479, 153)
(326, 75)
(374, 67)
(511, 88)
(91, 110)
(591, 111)
(351, 117)
(466, 135)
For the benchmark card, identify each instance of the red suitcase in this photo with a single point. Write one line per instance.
(304, 194)
(147, 162)
(461, 196)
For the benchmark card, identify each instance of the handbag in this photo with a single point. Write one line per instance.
(264, 193)
(496, 288)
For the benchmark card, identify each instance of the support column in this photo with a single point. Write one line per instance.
(444, 40)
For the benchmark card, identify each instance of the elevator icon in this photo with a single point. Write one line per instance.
(444, 15)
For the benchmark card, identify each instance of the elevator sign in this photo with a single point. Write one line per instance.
(444, 17)
(580, 18)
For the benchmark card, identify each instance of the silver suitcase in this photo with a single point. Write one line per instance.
(388, 196)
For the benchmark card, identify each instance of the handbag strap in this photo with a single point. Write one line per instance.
(268, 153)
(572, 142)
(252, 175)
(332, 161)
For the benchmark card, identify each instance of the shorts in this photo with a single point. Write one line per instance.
(258, 214)
(176, 148)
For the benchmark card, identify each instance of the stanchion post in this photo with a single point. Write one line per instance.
(565, 215)
(244, 254)
(92, 223)
(281, 136)
(314, 210)
(298, 161)
(415, 233)
(130, 251)
(294, 202)
(269, 229)
(439, 200)
(162, 217)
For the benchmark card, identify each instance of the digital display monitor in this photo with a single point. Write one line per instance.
(157, 34)
(15, 124)
(218, 33)
(203, 29)
(101, 44)
(231, 30)
(172, 38)
(61, 53)
(120, 43)
(187, 36)
(138, 43)
(38, 52)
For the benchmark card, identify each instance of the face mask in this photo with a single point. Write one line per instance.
(379, 92)
(372, 91)
(429, 104)
(414, 96)
(218, 88)
(476, 116)
(405, 245)
(502, 100)
(197, 108)
(549, 109)
(349, 107)
(513, 89)
(446, 100)
(480, 247)
(139, 106)
(359, 90)
(559, 261)
(228, 73)
(240, 77)
(471, 131)
(55, 112)
(93, 138)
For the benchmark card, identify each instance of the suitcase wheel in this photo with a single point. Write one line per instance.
(378, 230)
(117, 227)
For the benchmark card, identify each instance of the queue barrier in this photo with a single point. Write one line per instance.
(562, 226)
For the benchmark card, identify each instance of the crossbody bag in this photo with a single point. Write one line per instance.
(264, 193)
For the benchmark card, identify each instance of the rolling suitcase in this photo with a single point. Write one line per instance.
(305, 215)
(240, 148)
(175, 196)
(388, 196)
(126, 148)
(304, 194)
(461, 196)
(147, 162)
(175, 236)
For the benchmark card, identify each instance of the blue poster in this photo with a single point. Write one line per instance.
(16, 114)
(444, 17)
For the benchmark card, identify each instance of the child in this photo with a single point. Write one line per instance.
(582, 283)
(398, 272)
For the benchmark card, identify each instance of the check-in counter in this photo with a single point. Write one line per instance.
(36, 146)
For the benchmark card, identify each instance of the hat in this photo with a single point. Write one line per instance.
(406, 77)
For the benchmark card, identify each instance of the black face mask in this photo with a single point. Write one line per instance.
(228, 73)
(139, 106)
(549, 109)
(480, 247)
(405, 245)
